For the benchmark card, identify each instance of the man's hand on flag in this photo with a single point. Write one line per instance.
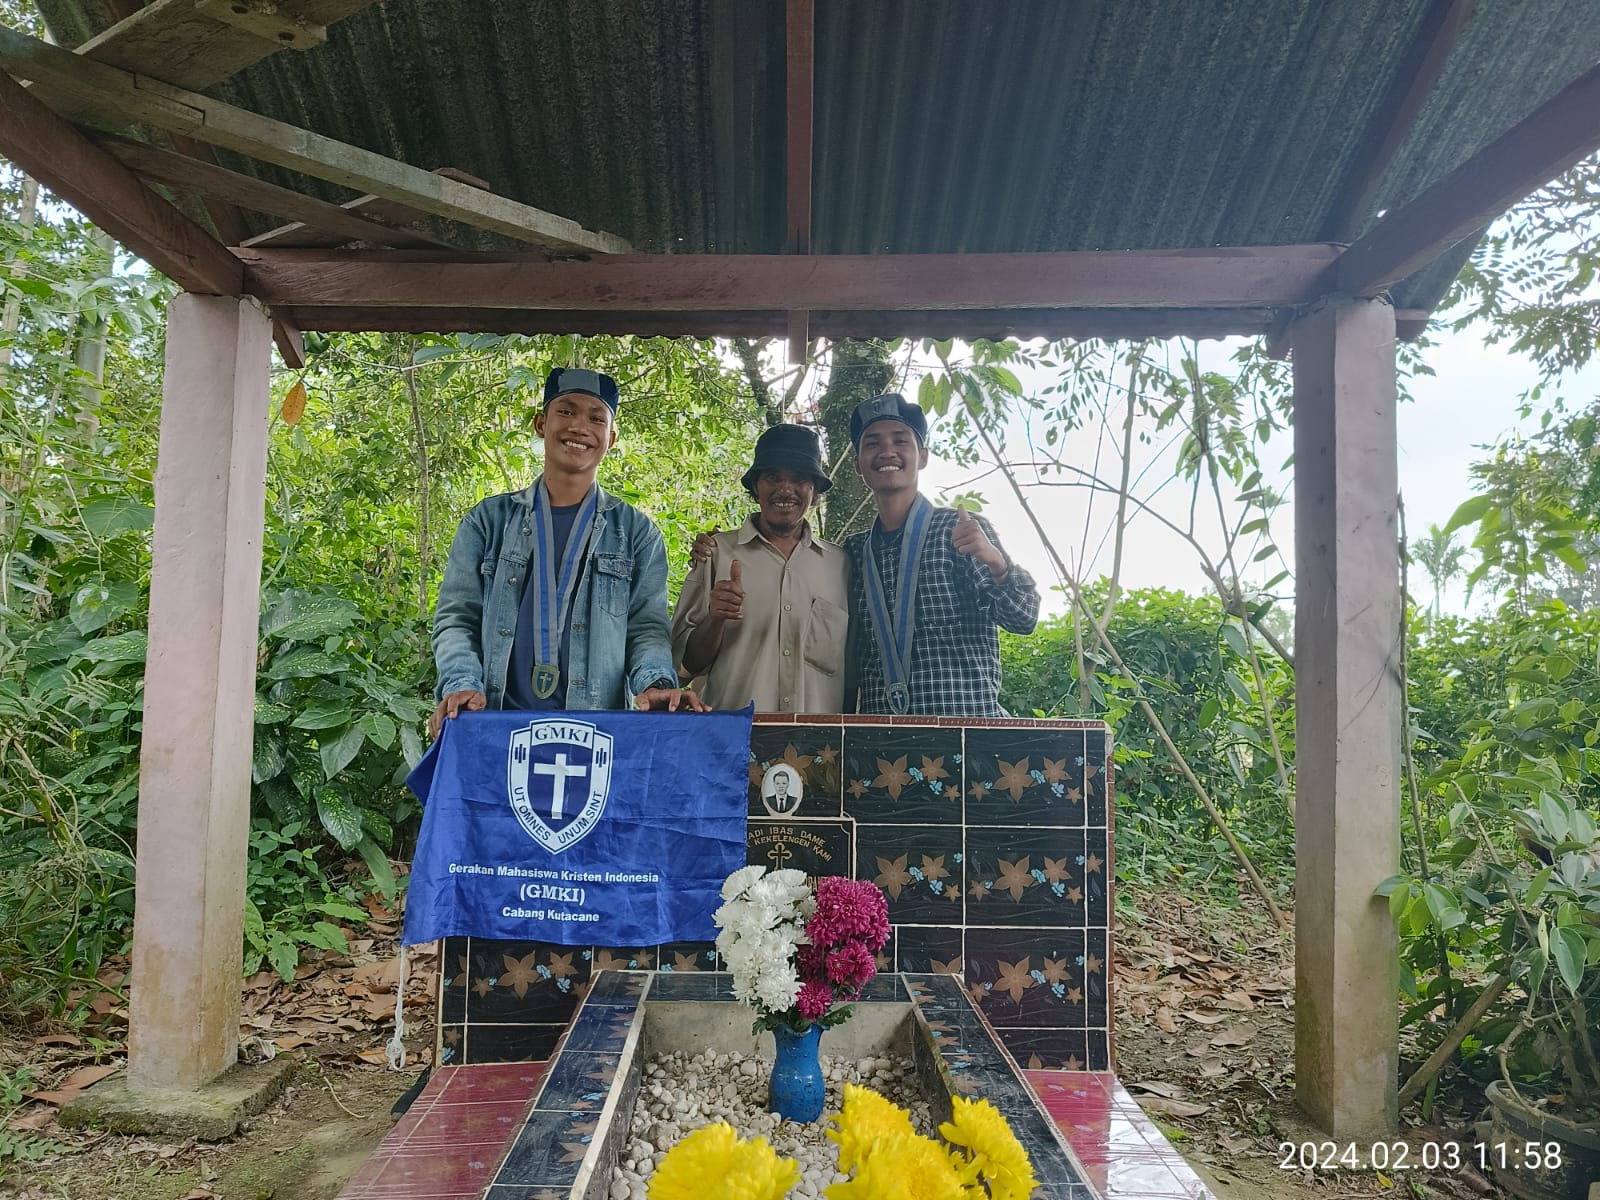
(664, 699)
(451, 705)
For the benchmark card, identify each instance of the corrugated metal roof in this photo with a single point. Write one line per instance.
(941, 125)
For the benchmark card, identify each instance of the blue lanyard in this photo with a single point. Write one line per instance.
(556, 582)
(894, 638)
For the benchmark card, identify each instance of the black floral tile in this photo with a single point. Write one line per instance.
(622, 958)
(1097, 777)
(1025, 777)
(612, 986)
(452, 1044)
(453, 970)
(903, 774)
(814, 758)
(603, 1029)
(1033, 976)
(523, 1191)
(917, 866)
(689, 985)
(527, 982)
(511, 1043)
(1051, 1049)
(929, 948)
(1026, 876)
(883, 987)
(686, 956)
(578, 1081)
(937, 991)
(1096, 878)
(548, 1151)
(818, 848)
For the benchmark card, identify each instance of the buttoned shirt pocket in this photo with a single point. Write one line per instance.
(823, 643)
(612, 574)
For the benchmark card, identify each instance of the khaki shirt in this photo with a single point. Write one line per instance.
(787, 654)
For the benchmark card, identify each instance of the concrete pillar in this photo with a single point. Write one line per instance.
(199, 699)
(1348, 717)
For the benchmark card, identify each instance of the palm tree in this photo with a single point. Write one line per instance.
(1441, 557)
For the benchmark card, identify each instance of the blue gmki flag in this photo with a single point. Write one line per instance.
(581, 828)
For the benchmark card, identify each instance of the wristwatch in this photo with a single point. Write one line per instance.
(662, 682)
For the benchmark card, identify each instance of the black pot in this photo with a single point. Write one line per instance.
(1513, 1126)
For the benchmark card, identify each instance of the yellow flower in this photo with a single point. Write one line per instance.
(992, 1150)
(903, 1166)
(865, 1119)
(714, 1164)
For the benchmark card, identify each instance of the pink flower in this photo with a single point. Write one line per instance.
(846, 909)
(811, 962)
(814, 1000)
(852, 965)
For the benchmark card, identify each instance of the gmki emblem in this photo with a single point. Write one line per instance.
(558, 776)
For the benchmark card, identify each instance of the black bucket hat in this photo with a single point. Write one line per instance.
(891, 406)
(788, 447)
(563, 381)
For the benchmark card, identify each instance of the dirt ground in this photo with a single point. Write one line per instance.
(1204, 1035)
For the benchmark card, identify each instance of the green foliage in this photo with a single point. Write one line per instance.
(1191, 660)
(398, 438)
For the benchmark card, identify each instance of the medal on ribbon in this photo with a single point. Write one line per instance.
(556, 581)
(895, 631)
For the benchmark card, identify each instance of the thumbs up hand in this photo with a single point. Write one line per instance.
(968, 538)
(727, 595)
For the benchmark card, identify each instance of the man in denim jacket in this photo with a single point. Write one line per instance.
(613, 641)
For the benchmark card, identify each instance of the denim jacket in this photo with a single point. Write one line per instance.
(620, 641)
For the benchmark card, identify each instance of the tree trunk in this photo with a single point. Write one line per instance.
(11, 318)
(860, 371)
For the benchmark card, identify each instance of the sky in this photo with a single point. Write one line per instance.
(1470, 402)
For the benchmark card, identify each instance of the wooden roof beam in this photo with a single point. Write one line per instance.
(1519, 162)
(113, 98)
(196, 43)
(215, 182)
(1396, 115)
(801, 35)
(1238, 277)
(110, 195)
(994, 325)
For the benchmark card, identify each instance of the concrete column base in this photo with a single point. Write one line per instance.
(216, 1111)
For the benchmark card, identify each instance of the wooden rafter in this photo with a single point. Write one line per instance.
(210, 180)
(1396, 115)
(110, 195)
(1391, 124)
(196, 43)
(1240, 277)
(112, 98)
(801, 37)
(390, 212)
(1519, 162)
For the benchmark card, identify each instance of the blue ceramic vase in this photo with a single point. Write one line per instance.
(796, 1090)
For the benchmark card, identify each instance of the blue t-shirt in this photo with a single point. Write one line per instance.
(525, 646)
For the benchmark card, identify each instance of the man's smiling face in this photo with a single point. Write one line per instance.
(890, 457)
(785, 497)
(577, 430)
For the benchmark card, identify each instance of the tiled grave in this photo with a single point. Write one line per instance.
(990, 838)
(481, 1132)
(579, 1120)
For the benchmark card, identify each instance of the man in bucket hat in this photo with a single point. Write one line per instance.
(929, 586)
(556, 596)
(764, 618)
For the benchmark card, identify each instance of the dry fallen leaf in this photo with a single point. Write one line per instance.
(1174, 1108)
(1238, 1001)
(1207, 1018)
(58, 1039)
(1160, 1088)
(1239, 1035)
(83, 1077)
(199, 1193)
(1164, 1020)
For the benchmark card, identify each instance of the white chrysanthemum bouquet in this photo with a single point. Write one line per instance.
(763, 923)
